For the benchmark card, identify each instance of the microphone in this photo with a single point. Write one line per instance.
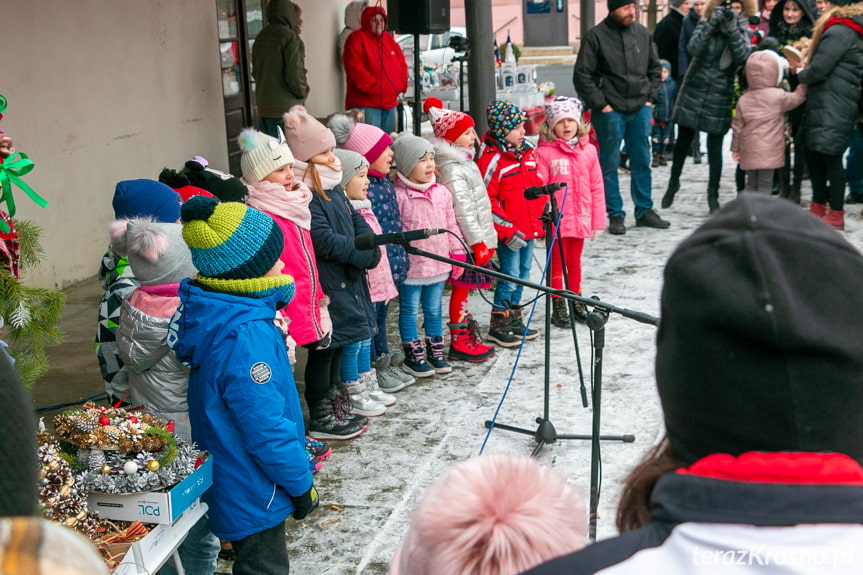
(369, 241)
(597, 317)
(535, 192)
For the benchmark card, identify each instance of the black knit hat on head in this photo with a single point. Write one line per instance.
(224, 186)
(615, 4)
(760, 346)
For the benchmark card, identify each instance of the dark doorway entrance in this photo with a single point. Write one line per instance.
(546, 22)
(239, 22)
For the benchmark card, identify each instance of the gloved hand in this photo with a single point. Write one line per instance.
(305, 503)
(376, 258)
(326, 324)
(481, 254)
(456, 270)
(730, 24)
(516, 241)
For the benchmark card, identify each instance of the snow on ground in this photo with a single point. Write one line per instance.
(370, 484)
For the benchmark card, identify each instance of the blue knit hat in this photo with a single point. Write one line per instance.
(503, 117)
(230, 241)
(146, 198)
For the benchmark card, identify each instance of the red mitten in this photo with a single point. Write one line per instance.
(481, 254)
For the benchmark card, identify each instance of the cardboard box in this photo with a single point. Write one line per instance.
(151, 552)
(154, 506)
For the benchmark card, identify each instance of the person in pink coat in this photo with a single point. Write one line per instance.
(565, 155)
(424, 203)
(758, 143)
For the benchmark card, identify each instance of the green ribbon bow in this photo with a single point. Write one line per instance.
(11, 170)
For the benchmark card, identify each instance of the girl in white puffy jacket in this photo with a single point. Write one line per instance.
(454, 142)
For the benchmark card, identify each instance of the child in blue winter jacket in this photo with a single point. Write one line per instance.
(243, 404)
(663, 128)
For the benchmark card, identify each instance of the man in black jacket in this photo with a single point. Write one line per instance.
(667, 35)
(617, 75)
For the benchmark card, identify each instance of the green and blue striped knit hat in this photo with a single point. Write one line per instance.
(233, 246)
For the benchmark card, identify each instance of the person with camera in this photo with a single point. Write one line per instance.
(718, 49)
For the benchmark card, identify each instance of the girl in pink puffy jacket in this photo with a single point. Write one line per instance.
(565, 155)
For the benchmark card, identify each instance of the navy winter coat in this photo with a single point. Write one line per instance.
(335, 225)
(243, 407)
(382, 195)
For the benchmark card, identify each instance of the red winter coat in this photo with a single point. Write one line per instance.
(375, 66)
(506, 178)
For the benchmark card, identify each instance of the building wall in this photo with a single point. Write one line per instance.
(106, 90)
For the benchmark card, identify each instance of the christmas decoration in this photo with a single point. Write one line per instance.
(130, 468)
(60, 497)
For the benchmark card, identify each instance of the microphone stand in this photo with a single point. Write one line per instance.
(545, 432)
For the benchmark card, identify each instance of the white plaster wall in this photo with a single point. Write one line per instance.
(101, 91)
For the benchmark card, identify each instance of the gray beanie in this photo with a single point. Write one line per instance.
(677, 3)
(352, 163)
(156, 252)
(408, 150)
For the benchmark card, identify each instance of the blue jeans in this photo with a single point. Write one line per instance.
(198, 552)
(383, 119)
(515, 264)
(854, 163)
(634, 130)
(356, 360)
(380, 346)
(410, 297)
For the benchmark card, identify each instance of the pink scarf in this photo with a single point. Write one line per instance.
(330, 174)
(274, 199)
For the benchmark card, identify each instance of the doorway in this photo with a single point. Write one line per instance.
(239, 23)
(546, 22)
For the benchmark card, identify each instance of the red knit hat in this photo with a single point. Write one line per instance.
(447, 124)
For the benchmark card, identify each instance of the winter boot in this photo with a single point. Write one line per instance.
(363, 404)
(560, 315)
(318, 448)
(501, 331)
(434, 352)
(818, 210)
(713, 200)
(580, 312)
(415, 362)
(465, 345)
(655, 162)
(835, 218)
(374, 389)
(663, 159)
(519, 327)
(668, 198)
(390, 378)
(326, 422)
(344, 405)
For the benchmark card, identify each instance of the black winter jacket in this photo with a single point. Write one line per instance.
(617, 66)
(833, 76)
(704, 102)
(335, 225)
(667, 39)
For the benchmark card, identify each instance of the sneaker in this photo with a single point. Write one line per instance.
(318, 448)
(415, 362)
(374, 389)
(616, 226)
(394, 379)
(434, 353)
(650, 219)
(314, 463)
(362, 402)
(501, 331)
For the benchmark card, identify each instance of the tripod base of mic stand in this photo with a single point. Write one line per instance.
(545, 433)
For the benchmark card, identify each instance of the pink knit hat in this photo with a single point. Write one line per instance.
(306, 136)
(562, 108)
(492, 515)
(447, 124)
(367, 140)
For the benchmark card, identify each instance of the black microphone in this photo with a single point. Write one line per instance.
(535, 192)
(369, 241)
(597, 317)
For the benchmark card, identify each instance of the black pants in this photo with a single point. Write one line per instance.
(714, 155)
(323, 367)
(828, 179)
(264, 553)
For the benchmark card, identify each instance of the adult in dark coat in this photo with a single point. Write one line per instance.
(719, 48)
(666, 36)
(790, 21)
(833, 68)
